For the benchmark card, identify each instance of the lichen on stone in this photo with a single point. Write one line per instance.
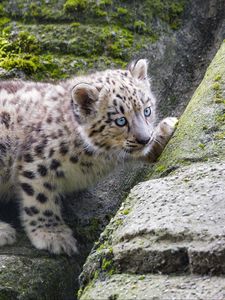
(79, 35)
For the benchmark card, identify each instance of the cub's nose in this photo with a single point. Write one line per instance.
(143, 141)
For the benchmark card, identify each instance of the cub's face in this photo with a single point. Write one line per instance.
(117, 111)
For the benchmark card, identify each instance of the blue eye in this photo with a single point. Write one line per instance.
(147, 111)
(121, 121)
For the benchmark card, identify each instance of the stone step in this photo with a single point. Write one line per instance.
(176, 224)
(149, 287)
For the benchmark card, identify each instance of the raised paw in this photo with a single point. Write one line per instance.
(168, 125)
(7, 234)
(56, 240)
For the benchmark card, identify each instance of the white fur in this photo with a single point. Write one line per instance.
(7, 234)
(58, 241)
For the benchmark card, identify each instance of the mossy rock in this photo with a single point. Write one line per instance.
(200, 132)
(83, 31)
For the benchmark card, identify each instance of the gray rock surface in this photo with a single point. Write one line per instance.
(172, 224)
(178, 61)
(157, 287)
(32, 274)
(176, 224)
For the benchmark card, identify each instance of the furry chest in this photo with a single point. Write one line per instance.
(84, 173)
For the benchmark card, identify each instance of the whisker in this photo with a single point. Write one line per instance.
(158, 142)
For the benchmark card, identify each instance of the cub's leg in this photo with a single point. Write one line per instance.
(41, 213)
(162, 135)
(7, 234)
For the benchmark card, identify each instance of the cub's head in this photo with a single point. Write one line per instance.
(116, 110)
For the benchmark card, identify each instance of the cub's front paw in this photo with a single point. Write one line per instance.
(168, 126)
(56, 240)
(7, 234)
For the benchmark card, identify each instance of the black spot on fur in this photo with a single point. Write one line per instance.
(49, 186)
(41, 219)
(54, 164)
(121, 109)
(57, 218)
(118, 96)
(39, 149)
(88, 152)
(28, 158)
(28, 211)
(51, 152)
(34, 210)
(49, 120)
(33, 223)
(42, 170)
(77, 143)
(2, 149)
(63, 148)
(27, 188)
(48, 213)
(60, 132)
(60, 174)
(28, 174)
(100, 129)
(42, 198)
(74, 159)
(57, 200)
(5, 119)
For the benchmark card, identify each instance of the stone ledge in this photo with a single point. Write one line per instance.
(176, 224)
(149, 287)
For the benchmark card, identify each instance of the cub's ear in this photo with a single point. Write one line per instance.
(139, 69)
(84, 97)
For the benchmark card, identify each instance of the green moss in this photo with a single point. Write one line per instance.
(101, 33)
(122, 11)
(71, 6)
(140, 26)
(75, 24)
(185, 148)
(105, 2)
(160, 168)
(218, 77)
(219, 99)
(220, 136)
(216, 86)
(125, 211)
(20, 51)
(220, 119)
(106, 264)
(4, 21)
(201, 146)
(108, 267)
(118, 222)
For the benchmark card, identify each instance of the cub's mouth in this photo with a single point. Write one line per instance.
(139, 147)
(139, 150)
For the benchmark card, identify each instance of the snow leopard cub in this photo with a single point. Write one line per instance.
(60, 138)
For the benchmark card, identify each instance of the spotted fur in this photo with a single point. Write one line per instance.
(60, 138)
